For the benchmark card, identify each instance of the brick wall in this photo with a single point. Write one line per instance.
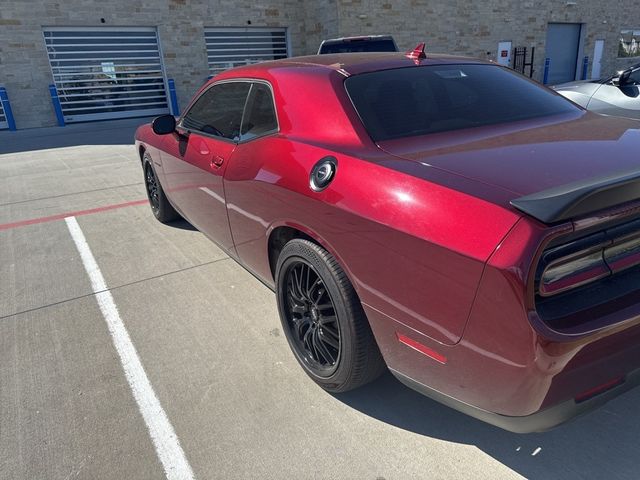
(460, 27)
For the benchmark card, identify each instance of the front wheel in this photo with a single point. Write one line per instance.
(323, 319)
(160, 206)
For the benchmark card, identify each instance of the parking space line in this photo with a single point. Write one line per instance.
(78, 213)
(161, 431)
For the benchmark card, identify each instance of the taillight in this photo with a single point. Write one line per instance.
(571, 266)
(573, 271)
(624, 254)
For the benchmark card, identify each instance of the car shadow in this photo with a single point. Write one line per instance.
(601, 444)
(112, 132)
(182, 224)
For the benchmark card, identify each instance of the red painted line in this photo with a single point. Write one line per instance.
(409, 342)
(77, 213)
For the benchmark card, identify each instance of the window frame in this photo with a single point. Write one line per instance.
(239, 140)
(244, 113)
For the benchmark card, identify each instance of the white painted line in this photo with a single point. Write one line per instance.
(164, 438)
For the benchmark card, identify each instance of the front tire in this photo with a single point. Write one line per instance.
(323, 319)
(160, 206)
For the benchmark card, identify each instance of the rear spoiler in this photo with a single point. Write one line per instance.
(580, 198)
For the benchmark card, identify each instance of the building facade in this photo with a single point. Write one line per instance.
(119, 58)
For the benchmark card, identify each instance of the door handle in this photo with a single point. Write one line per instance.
(217, 161)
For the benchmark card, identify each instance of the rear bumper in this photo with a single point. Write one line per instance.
(536, 422)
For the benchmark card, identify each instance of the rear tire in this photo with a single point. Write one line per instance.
(160, 206)
(323, 319)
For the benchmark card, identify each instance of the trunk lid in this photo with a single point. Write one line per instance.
(528, 157)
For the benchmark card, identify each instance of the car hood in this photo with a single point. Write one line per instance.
(586, 87)
(528, 157)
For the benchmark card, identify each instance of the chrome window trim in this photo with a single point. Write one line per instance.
(240, 139)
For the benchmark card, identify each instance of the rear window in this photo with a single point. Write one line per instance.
(378, 45)
(412, 101)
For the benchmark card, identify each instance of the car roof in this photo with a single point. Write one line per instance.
(346, 64)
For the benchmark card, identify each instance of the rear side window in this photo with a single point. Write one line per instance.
(260, 115)
(218, 111)
(414, 101)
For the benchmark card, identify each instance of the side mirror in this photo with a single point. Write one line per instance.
(623, 79)
(164, 125)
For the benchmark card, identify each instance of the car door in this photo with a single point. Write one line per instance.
(249, 179)
(623, 100)
(197, 155)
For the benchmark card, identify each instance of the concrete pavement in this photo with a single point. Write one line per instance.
(209, 338)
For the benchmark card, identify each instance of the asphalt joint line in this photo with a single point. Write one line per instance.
(117, 287)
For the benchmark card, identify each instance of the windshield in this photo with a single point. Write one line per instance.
(437, 98)
(364, 45)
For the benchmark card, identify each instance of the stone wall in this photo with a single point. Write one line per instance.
(24, 66)
(321, 22)
(458, 27)
(475, 28)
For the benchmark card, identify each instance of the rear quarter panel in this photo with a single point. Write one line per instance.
(413, 249)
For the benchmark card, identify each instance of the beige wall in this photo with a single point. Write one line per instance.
(24, 66)
(459, 27)
(475, 28)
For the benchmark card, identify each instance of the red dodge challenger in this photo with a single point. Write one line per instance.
(443, 217)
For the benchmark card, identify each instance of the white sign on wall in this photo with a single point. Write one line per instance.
(504, 53)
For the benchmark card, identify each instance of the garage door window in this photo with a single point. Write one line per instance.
(106, 73)
(230, 47)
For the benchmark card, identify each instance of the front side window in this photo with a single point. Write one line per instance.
(218, 111)
(260, 116)
(414, 101)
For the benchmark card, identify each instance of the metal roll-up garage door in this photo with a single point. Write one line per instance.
(105, 73)
(230, 47)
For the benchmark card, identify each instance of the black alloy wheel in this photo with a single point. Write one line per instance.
(160, 206)
(152, 188)
(312, 318)
(323, 319)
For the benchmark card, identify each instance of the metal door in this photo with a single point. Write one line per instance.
(563, 43)
(103, 73)
(230, 47)
(597, 59)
